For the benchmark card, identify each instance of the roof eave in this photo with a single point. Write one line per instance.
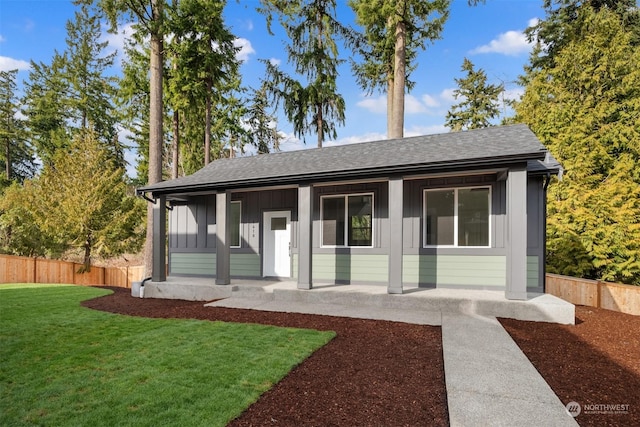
(340, 175)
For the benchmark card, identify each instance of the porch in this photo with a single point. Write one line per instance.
(415, 305)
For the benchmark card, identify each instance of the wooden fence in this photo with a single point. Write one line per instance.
(15, 269)
(595, 293)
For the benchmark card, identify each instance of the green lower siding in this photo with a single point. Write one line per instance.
(245, 265)
(466, 270)
(350, 268)
(533, 277)
(294, 266)
(204, 264)
(197, 264)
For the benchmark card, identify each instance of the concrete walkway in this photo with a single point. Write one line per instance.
(489, 381)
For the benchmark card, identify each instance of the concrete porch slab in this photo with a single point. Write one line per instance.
(362, 298)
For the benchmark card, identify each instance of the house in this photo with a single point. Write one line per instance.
(461, 210)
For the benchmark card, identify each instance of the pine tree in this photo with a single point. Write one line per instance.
(394, 32)
(16, 158)
(313, 103)
(479, 101)
(585, 108)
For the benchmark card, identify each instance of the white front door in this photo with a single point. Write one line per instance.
(276, 251)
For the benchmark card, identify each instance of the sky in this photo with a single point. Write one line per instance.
(490, 35)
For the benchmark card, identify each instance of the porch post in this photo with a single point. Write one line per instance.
(305, 236)
(395, 235)
(223, 260)
(159, 252)
(517, 234)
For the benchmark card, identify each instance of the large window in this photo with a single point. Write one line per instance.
(347, 220)
(234, 222)
(457, 217)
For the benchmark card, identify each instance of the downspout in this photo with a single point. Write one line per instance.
(547, 181)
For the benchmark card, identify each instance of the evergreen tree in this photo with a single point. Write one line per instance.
(585, 108)
(394, 32)
(45, 109)
(16, 159)
(314, 104)
(564, 23)
(86, 203)
(90, 94)
(150, 16)
(479, 101)
(264, 135)
(206, 70)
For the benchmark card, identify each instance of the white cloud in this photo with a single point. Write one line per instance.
(356, 139)
(412, 105)
(290, 142)
(448, 96)
(2, 38)
(425, 130)
(511, 43)
(375, 105)
(117, 40)
(275, 61)
(430, 101)
(8, 64)
(245, 49)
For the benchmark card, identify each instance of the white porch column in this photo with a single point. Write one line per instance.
(305, 236)
(223, 238)
(395, 235)
(516, 242)
(159, 252)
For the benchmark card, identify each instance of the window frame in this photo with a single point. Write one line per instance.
(345, 197)
(239, 202)
(456, 216)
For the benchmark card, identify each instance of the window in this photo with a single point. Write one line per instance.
(234, 222)
(347, 219)
(457, 217)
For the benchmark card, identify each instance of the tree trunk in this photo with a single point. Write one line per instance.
(389, 103)
(155, 123)
(320, 125)
(207, 126)
(7, 159)
(399, 72)
(86, 265)
(175, 146)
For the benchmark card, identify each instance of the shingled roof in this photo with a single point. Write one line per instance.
(489, 147)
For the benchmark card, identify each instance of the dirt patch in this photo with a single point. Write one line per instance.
(372, 373)
(594, 363)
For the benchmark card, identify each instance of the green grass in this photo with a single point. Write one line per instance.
(62, 364)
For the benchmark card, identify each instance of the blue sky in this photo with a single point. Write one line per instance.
(489, 35)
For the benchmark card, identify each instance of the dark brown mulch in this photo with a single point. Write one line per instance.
(594, 363)
(372, 373)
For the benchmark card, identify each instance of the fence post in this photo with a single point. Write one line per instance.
(599, 297)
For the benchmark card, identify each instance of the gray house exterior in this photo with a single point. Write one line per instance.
(458, 210)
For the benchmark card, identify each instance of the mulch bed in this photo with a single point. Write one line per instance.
(392, 374)
(372, 373)
(594, 363)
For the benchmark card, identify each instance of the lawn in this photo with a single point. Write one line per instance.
(62, 364)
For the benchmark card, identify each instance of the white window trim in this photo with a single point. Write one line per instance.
(455, 216)
(239, 202)
(346, 215)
